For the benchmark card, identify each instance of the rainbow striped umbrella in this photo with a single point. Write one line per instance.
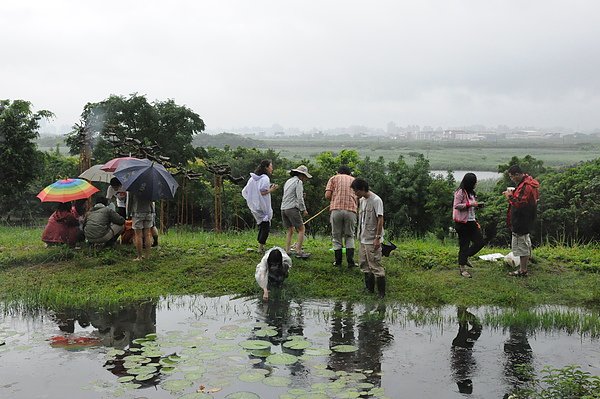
(67, 190)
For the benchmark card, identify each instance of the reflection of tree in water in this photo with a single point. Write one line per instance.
(518, 357)
(121, 327)
(372, 337)
(115, 328)
(288, 321)
(462, 362)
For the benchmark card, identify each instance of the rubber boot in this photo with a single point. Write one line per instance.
(338, 257)
(381, 286)
(370, 282)
(350, 257)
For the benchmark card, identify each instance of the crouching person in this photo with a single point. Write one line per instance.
(102, 225)
(370, 233)
(272, 270)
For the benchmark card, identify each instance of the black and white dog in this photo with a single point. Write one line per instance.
(272, 270)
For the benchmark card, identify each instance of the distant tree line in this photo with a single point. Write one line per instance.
(417, 203)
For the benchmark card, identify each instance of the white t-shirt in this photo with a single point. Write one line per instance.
(368, 211)
(120, 195)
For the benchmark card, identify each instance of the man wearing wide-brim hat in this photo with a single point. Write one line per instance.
(293, 208)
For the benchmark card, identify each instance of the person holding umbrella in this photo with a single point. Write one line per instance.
(62, 227)
(142, 222)
(146, 181)
(63, 224)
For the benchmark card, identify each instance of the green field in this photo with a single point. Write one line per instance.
(447, 155)
(456, 155)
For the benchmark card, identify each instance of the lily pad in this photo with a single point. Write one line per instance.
(251, 377)
(365, 385)
(176, 385)
(325, 373)
(242, 395)
(144, 377)
(277, 381)
(297, 344)
(151, 336)
(344, 348)
(282, 359)
(193, 376)
(134, 358)
(115, 352)
(266, 332)
(261, 353)
(253, 344)
(317, 352)
(126, 378)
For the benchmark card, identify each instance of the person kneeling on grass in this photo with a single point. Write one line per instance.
(62, 227)
(272, 270)
(102, 225)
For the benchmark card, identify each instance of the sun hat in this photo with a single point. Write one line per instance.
(302, 169)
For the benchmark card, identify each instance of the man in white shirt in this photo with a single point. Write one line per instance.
(370, 233)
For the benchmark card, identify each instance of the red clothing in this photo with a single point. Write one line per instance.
(523, 205)
(62, 227)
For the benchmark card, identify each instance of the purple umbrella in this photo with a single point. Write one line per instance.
(146, 179)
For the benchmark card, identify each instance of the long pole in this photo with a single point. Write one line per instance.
(320, 212)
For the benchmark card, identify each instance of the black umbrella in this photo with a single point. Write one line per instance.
(146, 179)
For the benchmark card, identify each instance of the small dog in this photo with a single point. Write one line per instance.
(272, 270)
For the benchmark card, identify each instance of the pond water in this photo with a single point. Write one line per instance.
(481, 174)
(196, 344)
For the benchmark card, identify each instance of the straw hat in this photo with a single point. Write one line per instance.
(302, 169)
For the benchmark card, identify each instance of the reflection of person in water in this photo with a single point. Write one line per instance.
(372, 336)
(518, 357)
(288, 321)
(342, 333)
(462, 362)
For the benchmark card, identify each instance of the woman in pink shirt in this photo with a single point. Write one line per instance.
(470, 239)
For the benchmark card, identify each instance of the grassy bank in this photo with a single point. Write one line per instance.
(419, 272)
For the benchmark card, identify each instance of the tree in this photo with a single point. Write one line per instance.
(20, 161)
(108, 123)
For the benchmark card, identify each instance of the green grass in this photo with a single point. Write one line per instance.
(421, 272)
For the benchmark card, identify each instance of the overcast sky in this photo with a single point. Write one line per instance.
(312, 63)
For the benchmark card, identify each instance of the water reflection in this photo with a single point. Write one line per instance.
(371, 336)
(518, 357)
(279, 313)
(114, 328)
(407, 343)
(288, 321)
(462, 361)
